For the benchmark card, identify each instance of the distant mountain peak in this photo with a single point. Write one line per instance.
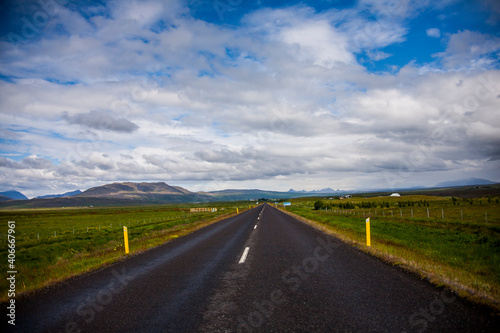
(14, 195)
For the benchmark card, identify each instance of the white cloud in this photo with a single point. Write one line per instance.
(319, 43)
(470, 50)
(433, 32)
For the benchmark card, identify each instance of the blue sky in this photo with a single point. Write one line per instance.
(248, 94)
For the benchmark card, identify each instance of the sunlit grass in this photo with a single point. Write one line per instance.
(461, 251)
(54, 244)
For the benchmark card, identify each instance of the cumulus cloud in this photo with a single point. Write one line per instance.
(470, 49)
(29, 162)
(318, 43)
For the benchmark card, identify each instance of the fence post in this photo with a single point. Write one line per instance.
(427, 212)
(125, 237)
(442, 213)
(368, 240)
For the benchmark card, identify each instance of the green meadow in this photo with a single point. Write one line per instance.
(450, 241)
(54, 244)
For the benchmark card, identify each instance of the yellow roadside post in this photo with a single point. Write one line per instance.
(237, 211)
(368, 241)
(125, 236)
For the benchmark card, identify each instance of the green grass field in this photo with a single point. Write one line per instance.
(461, 250)
(54, 244)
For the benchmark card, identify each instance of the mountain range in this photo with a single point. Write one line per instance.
(324, 190)
(129, 193)
(465, 182)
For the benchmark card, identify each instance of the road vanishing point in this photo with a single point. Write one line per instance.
(259, 271)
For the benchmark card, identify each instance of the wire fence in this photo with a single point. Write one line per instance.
(421, 213)
(56, 232)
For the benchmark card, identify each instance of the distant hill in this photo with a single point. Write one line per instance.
(67, 194)
(118, 194)
(465, 182)
(134, 190)
(14, 195)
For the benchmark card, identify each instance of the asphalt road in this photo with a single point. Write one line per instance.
(260, 271)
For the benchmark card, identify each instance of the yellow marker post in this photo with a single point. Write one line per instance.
(237, 211)
(125, 236)
(368, 241)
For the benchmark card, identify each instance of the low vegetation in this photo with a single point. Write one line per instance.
(450, 241)
(54, 244)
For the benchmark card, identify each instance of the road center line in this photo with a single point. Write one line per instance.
(255, 227)
(244, 255)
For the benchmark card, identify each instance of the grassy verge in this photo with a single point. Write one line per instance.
(462, 255)
(55, 244)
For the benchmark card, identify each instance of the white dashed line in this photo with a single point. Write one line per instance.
(255, 227)
(244, 255)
